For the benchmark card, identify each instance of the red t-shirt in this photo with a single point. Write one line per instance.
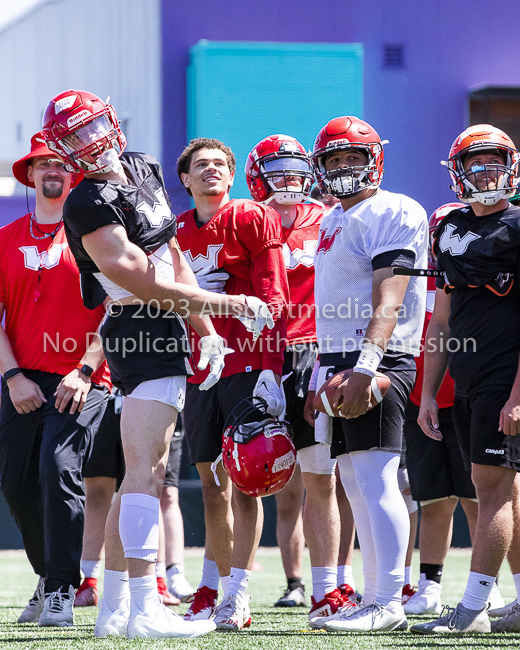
(244, 239)
(47, 325)
(299, 244)
(446, 394)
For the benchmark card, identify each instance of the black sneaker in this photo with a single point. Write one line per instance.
(292, 597)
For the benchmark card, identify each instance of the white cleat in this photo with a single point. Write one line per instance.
(371, 618)
(34, 608)
(111, 623)
(179, 586)
(456, 620)
(232, 615)
(427, 599)
(502, 611)
(57, 609)
(158, 622)
(495, 600)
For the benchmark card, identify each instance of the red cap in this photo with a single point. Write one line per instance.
(38, 148)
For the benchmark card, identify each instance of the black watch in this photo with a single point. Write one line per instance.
(85, 369)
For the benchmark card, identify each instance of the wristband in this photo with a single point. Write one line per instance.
(9, 374)
(85, 369)
(369, 359)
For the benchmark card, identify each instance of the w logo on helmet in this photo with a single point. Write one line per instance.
(326, 242)
(456, 244)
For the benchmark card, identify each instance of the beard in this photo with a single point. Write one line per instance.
(52, 189)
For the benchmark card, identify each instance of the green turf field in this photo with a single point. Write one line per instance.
(272, 628)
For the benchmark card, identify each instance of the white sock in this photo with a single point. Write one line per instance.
(91, 568)
(143, 592)
(516, 580)
(238, 579)
(160, 569)
(210, 575)
(224, 581)
(408, 575)
(345, 576)
(116, 590)
(139, 526)
(324, 580)
(477, 591)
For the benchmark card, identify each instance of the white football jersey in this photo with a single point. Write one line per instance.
(348, 242)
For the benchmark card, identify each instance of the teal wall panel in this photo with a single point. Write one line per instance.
(240, 92)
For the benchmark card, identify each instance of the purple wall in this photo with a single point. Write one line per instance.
(13, 207)
(450, 48)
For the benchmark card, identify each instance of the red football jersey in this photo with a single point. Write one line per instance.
(299, 244)
(446, 394)
(47, 325)
(244, 239)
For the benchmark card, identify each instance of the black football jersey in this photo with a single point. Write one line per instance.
(480, 259)
(143, 208)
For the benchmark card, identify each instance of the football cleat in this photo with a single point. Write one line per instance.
(495, 600)
(456, 621)
(371, 618)
(292, 598)
(509, 623)
(202, 604)
(327, 607)
(232, 615)
(165, 596)
(31, 613)
(407, 593)
(57, 609)
(157, 621)
(427, 598)
(111, 623)
(502, 611)
(87, 594)
(179, 586)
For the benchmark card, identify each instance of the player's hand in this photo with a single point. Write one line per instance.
(212, 350)
(74, 386)
(214, 281)
(309, 413)
(352, 397)
(256, 316)
(25, 395)
(428, 419)
(509, 421)
(267, 388)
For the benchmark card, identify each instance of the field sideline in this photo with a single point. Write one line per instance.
(272, 628)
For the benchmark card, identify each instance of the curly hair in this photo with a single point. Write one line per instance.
(184, 160)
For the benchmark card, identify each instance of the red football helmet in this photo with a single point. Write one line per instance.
(342, 133)
(279, 165)
(259, 457)
(80, 127)
(483, 138)
(435, 218)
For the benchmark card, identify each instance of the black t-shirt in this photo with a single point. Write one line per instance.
(480, 258)
(143, 208)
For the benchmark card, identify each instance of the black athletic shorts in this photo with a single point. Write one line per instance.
(476, 421)
(206, 412)
(142, 343)
(173, 466)
(296, 385)
(435, 468)
(382, 427)
(106, 457)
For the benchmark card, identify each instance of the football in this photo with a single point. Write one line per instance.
(325, 396)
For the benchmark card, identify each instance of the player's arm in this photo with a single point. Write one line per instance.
(127, 265)
(25, 394)
(435, 364)
(387, 298)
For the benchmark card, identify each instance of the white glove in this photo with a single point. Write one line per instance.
(212, 280)
(212, 351)
(262, 316)
(267, 388)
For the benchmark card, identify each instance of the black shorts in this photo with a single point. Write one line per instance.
(382, 427)
(173, 466)
(303, 433)
(476, 423)
(206, 412)
(106, 457)
(140, 347)
(436, 469)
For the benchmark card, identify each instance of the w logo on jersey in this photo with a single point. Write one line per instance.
(456, 244)
(159, 212)
(298, 256)
(326, 242)
(200, 261)
(35, 260)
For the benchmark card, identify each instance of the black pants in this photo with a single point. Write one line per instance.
(42, 454)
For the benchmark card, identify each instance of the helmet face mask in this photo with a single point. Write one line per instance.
(486, 183)
(80, 128)
(342, 134)
(278, 168)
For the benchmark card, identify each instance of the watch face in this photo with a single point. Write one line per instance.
(87, 370)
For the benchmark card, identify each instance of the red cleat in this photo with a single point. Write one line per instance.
(165, 596)
(87, 594)
(408, 592)
(203, 604)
